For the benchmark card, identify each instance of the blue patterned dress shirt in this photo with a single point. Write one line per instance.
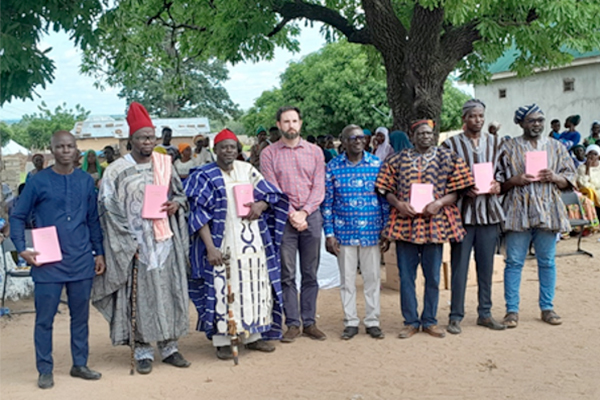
(352, 210)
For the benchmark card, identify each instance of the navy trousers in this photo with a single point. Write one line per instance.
(47, 298)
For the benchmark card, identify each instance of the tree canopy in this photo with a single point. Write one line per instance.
(35, 130)
(24, 65)
(420, 42)
(336, 86)
(169, 86)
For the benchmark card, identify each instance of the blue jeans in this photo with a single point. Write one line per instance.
(409, 255)
(517, 246)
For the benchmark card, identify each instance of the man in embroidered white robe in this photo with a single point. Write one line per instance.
(249, 238)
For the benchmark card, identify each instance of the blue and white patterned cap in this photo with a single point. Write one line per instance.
(524, 111)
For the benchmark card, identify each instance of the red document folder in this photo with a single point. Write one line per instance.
(45, 242)
(154, 197)
(535, 161)
(243, 194)
(421, 194)
(484, 175)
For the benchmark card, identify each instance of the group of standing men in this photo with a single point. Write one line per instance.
(241, 265)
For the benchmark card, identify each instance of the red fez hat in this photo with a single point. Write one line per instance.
(224, 135)
(138, 118)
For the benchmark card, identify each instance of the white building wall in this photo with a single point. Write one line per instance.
(546, 89)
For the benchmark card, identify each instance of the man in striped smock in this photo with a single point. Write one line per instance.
(251, 237)
(534, 210)
(420, 234)
(481, 212)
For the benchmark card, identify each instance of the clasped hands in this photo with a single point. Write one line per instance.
(407, 211)
(298, 220)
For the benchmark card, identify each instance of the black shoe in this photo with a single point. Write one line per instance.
(84, 372)
(260, 345)
(144, 366)
(177, 360)
(349, 332)
(375, 332)
(491, 323)
(46, 381)
(224, 353)
(454, 327)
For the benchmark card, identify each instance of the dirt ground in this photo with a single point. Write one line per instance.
(535, 360)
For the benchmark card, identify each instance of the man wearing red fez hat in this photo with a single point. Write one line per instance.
(146, 239)
(236, 217)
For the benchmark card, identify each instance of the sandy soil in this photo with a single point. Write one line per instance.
(535, 360)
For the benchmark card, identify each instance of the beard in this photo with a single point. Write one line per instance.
(290, 135)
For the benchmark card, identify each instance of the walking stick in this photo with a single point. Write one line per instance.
(133, 312)
(231, 324)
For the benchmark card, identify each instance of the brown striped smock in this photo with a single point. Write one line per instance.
(484, 209)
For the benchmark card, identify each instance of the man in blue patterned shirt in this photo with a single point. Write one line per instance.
(353, 217)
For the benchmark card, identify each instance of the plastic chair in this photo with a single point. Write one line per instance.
(570, 198)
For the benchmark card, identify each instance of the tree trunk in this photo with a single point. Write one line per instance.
(415, 64)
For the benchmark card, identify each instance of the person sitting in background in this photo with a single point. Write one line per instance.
(322, 143)
(578, 155)
(383, 149)
(555, 132)
(261, 136)
(594, 137)
(109, 155)
(399, 141)
(185, 163)
(38, 163)
(311, 139)
(369, 137)
(91, 165)
(588, 175)
(330, 146)
(167, 135)
(494, 127)
(201, 154)
(571, 137)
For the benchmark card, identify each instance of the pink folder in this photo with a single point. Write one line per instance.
(421, 194)
(484, 175)
(45, 242)
(535, 161)
(243, 194)
(154, 197)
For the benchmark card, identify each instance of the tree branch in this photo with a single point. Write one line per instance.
(295, 9)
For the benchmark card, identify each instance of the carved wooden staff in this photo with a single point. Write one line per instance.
(231, 324)
(133, 311)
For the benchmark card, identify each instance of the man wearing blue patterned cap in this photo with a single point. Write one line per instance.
(534, 210)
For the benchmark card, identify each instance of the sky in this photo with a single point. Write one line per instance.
(247, 80)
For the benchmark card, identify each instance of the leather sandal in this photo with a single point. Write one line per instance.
(550, 317)
(511, 320)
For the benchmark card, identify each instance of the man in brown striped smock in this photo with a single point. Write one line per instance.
(482, 213)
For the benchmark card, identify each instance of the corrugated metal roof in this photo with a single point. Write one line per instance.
(503, 63)
(102, 127)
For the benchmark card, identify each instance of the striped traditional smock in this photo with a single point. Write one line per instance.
(537, 205)
(438, 166)
(484, 209)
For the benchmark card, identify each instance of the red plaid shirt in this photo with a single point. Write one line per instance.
(297, 171)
